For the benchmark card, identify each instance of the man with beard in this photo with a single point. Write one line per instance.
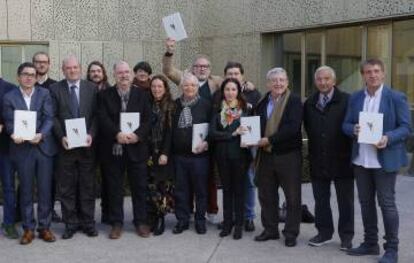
(96, 73)
(41, 61)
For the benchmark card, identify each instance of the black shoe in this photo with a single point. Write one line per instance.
(264, 236)
(345, 245)
(307, 216)
(290, 242)
(319, 240)
(55, 217)
(238, 232)
(180, 227)
(159, 226)
(68, 234)
(226, 230)
(390, 256)
(200, 228)
(249, 225)
(364, 249)
(90, 232)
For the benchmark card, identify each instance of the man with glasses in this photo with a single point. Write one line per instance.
(32, 158)
(41, 61)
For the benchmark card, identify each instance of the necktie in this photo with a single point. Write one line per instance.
(325, 99)
(74, 104)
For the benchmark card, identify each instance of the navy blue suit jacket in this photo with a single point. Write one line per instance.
(4, 137)
(41, 102)
(396, 126)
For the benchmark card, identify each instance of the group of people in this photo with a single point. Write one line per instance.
(166, 173)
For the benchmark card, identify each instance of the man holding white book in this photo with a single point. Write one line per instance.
(124, 119)
(32, 149)
(376, 165)
(75, 101)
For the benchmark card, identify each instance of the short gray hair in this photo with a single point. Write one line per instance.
(326, 68)
(275, 71)
(189, 76)
(70, 57)
(120, 62)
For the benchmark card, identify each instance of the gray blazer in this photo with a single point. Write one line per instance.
(87, 106)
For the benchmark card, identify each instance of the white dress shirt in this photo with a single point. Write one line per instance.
(368, 154)
(27, 98)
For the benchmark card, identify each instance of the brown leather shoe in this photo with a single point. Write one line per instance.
(47, 235)
(116, 232)
(143, 231)
(27, 237)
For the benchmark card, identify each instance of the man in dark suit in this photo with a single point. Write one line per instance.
(76, 98)
(7, 172)
(329, 156)
(41, 61)
(32, 158)
(125, 151)
(376, 165)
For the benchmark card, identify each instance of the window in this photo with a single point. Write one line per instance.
(403, 58)
(343, 48)
(12, 55)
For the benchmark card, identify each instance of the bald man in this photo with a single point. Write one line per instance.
(76, 98)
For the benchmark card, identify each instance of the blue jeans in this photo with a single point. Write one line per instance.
(8, 186)
(379, 183)
(191, 173)
(250, 201)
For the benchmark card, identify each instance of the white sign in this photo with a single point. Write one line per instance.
(76, 132)
(25, 124)
(174, 27)
(200, 132)
(370, 125)
(129, 121)
(253, 135)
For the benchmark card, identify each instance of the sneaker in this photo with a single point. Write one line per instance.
(364, 249)
(390, 256)
(213, 219)
(319, 240)
(10, 231)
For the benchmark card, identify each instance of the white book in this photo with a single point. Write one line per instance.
(174, 27)
(253, 134)
(25, 124)
(370, 127)
(129, 121)
(76, 132)
(200, 132)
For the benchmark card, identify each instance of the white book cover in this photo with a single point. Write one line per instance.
(200, 132)
(129, 121)
(174, 27)
(253, 134)
(25, 124)
(76, 132)
(370, 127)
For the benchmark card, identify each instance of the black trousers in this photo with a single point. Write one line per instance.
(232, 173)
(137, 173)
(280, 170)
(77, 187)
(323, 214)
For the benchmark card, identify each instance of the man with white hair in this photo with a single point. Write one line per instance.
(330, 158)
(76, 98)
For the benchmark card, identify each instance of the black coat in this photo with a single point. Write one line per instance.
(109, 122)
(329, 147)
(288, 138)
(4, 137)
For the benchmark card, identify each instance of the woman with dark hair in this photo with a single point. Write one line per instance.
(232, 160)
(160, 199)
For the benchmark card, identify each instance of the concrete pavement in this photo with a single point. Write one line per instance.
(190, 247)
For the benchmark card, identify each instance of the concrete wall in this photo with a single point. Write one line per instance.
(109, 30)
